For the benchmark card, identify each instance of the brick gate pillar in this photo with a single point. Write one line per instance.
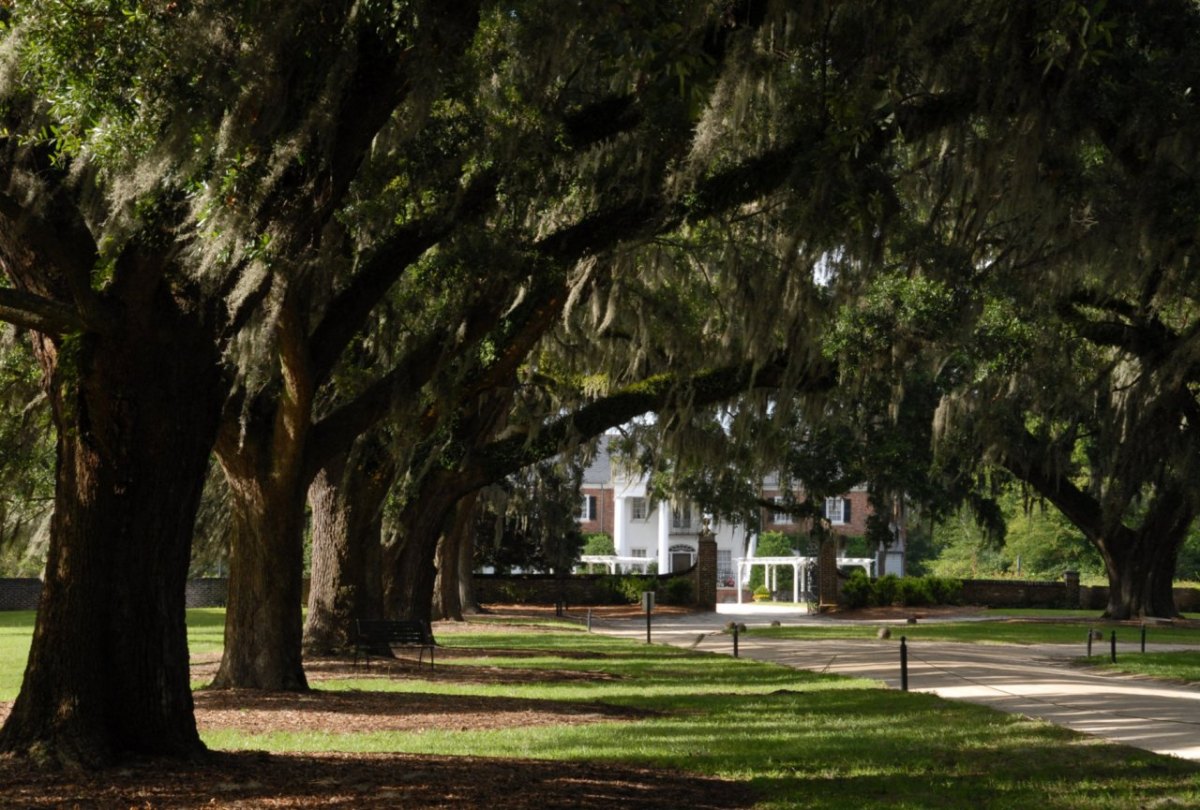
(827, 575)
(706, 570)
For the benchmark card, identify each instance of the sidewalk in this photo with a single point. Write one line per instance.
(1035, 680)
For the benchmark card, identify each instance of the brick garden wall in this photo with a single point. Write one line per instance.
(20, 594)
(592, 589)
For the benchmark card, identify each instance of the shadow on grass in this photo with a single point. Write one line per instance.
(338, 781)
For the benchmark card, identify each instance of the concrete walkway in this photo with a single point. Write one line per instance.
(1035, 680)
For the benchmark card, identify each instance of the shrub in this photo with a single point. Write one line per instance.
(600, 544)
(627, 587)
(677, 591)
(885, 590)
(857, 590)
(946, 590)
(912, 591)
(762, 591)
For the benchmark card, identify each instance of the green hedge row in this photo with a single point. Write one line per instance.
(861, 591)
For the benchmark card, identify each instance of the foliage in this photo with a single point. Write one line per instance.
(629, 587)
(531, 521)
(598, 543)
(677, 591)
(26, 460)
(1038, 543)
(858, 590)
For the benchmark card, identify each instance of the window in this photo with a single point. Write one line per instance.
(681, 516)
(837, 511)
(725, 568)
(777, 516)
(587, 508)
(637, 552)
(637, 508)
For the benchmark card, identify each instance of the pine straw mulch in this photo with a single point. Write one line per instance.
(284, 780)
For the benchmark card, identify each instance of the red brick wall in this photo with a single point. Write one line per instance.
(860, 510)
(604, 511)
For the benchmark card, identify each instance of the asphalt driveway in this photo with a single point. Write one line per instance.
(1035, 680)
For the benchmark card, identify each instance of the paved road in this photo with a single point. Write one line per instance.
(1035, 680)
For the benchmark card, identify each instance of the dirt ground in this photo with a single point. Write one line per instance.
(259, 779)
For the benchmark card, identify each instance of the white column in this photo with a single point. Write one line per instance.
(664, 536)
(795, 582)
(741, 567)
(620, 541)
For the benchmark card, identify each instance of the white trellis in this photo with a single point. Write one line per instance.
(619, 564)
(800, 568)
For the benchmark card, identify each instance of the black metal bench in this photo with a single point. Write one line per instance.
(373, 633)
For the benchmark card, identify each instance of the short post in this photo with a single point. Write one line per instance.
(1091, 633)
(735, 640)
(589, 620)
(648, 604)
(1114, 646)
(904, 663)
(1143, 637)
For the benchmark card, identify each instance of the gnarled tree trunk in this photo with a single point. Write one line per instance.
(136, 412)
(347, 499)
(454, 554)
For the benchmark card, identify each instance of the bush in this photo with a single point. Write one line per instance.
(627, 587)
(859, 591)
(856, 591)
(598, 544)
(677, 591)
(884, 591)
(762, 591)
(912, 591)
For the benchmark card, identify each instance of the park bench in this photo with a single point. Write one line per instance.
(370, 634)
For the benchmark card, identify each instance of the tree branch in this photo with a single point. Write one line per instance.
(39, 314)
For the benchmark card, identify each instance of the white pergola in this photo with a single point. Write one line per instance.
(617, 564)
(799, 566)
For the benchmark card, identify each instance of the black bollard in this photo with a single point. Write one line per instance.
(1090, 634)
(735, 640)
(903, 663)
(1114, 646)
(1143, 637)
(589, 620)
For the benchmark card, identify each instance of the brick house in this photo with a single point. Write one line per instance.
(664, 535)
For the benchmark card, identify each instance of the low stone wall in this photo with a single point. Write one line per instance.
(1013, 593)
(208, 592)
(20, 594)
(548, 589)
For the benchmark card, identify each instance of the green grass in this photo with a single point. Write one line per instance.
(1177, 666)
(16, 633)
(800, 739)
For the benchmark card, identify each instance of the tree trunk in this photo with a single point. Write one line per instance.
(410, 570)
(136, 413)
(347, 499)
(466, 568)
(448, 602)
(266, 568)
(1141, 572)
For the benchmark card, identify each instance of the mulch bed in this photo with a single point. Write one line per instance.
(257, 779)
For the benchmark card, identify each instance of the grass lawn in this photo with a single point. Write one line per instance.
(799, 739)
(1177, 666)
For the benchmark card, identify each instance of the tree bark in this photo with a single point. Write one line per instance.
(346, 499)
(266, 567)
(136, 411)
(410, 558)
(448, 593)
